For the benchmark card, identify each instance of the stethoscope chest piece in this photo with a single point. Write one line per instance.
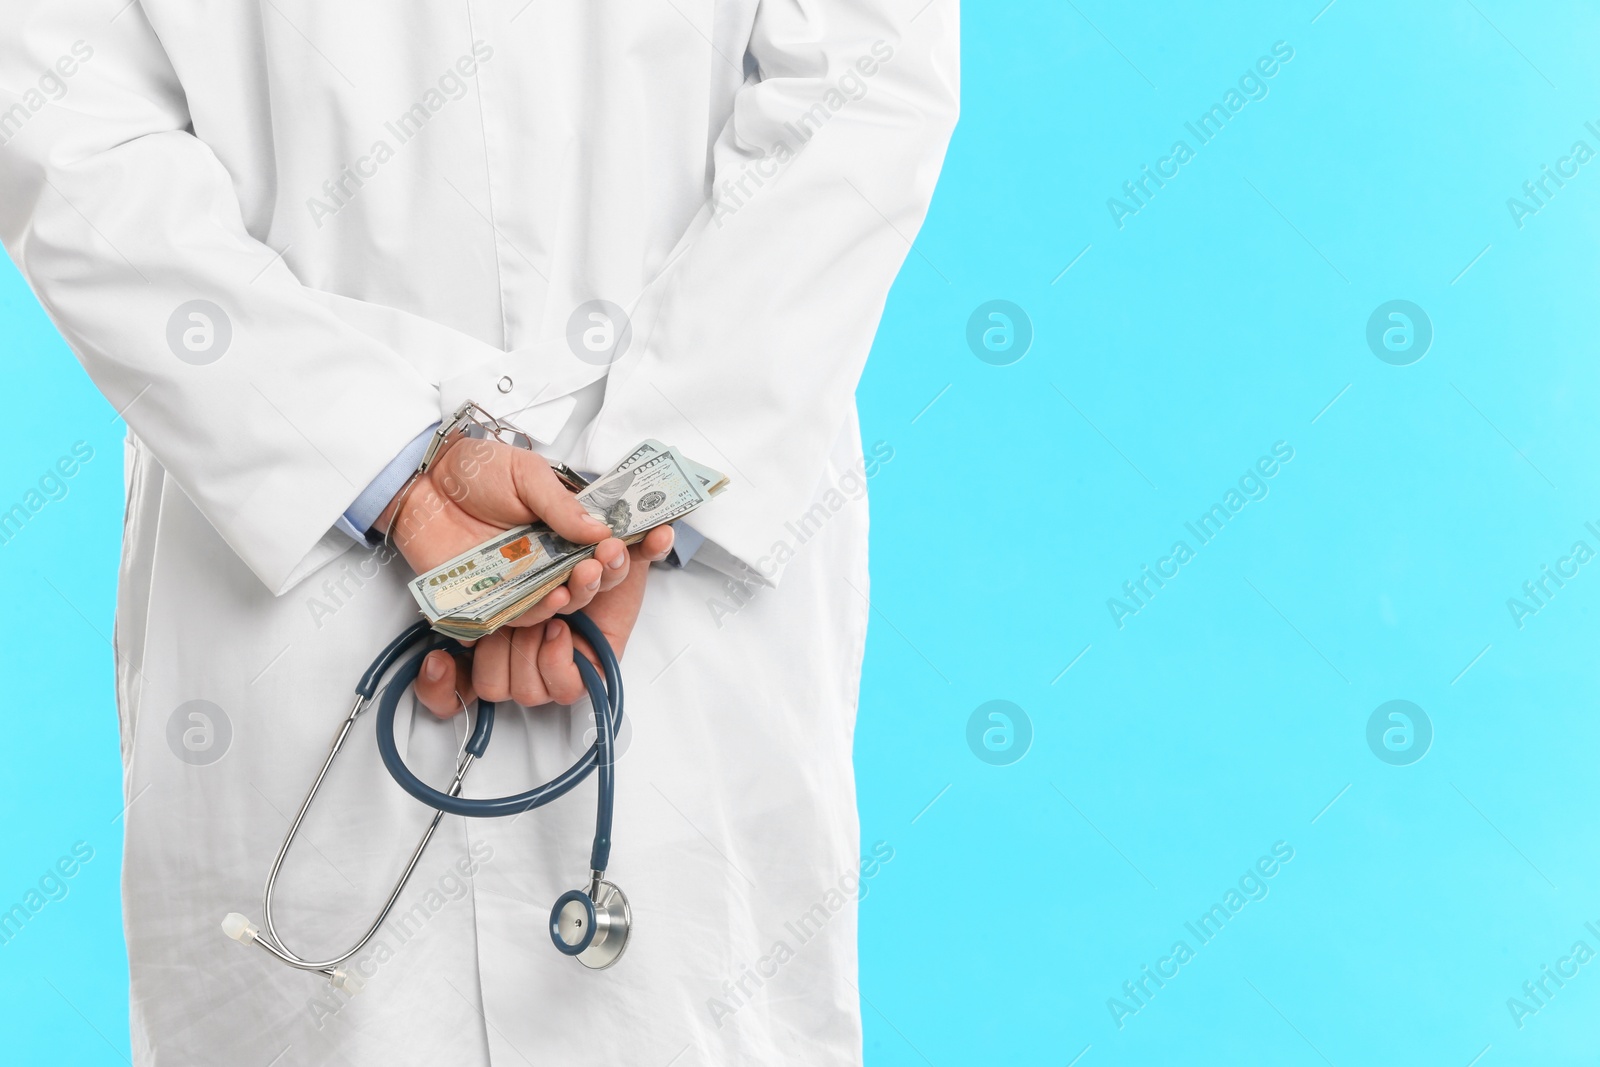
(592, 925)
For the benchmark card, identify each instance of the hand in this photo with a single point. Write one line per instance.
(479, 487)
(533, 664)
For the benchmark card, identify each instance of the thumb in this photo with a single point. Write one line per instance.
(543, 494)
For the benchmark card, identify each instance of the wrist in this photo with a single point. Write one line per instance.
(377, 502)
(386, 517)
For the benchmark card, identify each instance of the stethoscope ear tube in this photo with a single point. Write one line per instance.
(386, 659)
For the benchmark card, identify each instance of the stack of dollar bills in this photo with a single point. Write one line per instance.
(481, 590)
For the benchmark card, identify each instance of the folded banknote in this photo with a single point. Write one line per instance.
(479, 591)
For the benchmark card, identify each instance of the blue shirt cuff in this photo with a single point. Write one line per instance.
(359, 517)
(686, 541)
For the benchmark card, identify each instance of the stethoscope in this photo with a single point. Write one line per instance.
(590, 924)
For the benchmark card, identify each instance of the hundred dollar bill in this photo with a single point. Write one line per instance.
(653, 490)
(642, 492)
(630, 499)
(480, 590)
(524, 550)
(712, 481)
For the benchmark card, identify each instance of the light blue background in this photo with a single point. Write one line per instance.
(1230, 713)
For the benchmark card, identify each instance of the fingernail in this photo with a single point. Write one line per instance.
(592, 586)
(616, 564)
(592, 521)
(552, 631)
(433, 668)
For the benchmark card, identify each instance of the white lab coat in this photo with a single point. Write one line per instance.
(387, 209)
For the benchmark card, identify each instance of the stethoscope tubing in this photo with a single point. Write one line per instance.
(605, 696)
(604, 688)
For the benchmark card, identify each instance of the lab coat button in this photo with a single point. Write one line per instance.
(505, 384)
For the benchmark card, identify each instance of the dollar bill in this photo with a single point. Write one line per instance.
(480, 590)
(712, 481)
(653, 490)
(475, 574)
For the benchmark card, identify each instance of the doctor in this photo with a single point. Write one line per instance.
(285, 239)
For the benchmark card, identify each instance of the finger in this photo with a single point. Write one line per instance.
(657, 543)
(437, 682)
(527, 682)
(617, 611)
(613, 555)
(539, 488)
(491, 667)
(554, 602)
(561, 677)
(583, 585)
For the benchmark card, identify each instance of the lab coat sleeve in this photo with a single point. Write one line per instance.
(119, 218)
(823, 175)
